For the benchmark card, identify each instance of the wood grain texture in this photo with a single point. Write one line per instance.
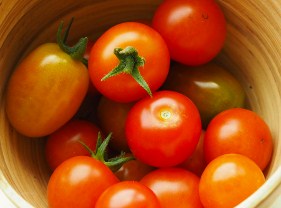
(252, 52)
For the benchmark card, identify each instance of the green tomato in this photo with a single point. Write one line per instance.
(211, 87)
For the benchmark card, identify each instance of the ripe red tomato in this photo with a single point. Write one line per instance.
(111, 118)
(228, 180)
(128, 194)
(78, 182)
(194, 30)
(64, 143)
(45, 91)
(133, 170)
(115, 42)
(163, 130)
(174, 187)
(239, 131)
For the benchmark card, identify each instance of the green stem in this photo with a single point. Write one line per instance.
(129, 63)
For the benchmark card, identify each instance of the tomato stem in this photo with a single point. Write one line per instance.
(114, 163)
(78, 50)
(129, 63)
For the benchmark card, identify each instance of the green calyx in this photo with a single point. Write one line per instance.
(129, 63)
(114, 163)
(78, 50)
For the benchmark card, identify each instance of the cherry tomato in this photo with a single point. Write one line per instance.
(46, 90)
(174, 187)
(194, 30)
(211, 87)
(133, 170)
(239, 131)
(163, 130)
(138, 47)
(128, 194)
(196, 162)
(111, 118)
(64, 143)
(78, 182)
(228, 180)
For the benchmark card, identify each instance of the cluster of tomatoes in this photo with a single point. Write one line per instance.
(156, 94)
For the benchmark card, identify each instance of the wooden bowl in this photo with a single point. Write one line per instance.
(252, 52)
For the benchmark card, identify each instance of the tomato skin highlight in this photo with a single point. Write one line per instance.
(240, 131)
(163, 130)
(78, 182)
(45, 91)
(128, 194)
(228, 180)
(149, 45)
(194, 30)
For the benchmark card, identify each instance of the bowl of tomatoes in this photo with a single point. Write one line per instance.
(171, 103)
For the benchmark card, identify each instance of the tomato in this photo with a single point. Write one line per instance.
(133, 170)
(194, 30)
(228, 180)
(111, 118)
(174, 187)
(139, 57)
(240, 131)
(128, 194)
(211, 87)
(163, 130)
(196, 162)
(64, 143)
(45, 90)
(78, 182)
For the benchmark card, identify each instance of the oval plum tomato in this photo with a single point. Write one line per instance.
(46, 90)
(133, 170)
(64, 143)
(228, 180)
(163, 130)
(211, 87)
(194, 30)
(128, 194)
(78, 182)
(239, 131)
(111, 118)
(136, 55)
(174, 187)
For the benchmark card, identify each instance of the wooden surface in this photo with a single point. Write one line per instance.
(252, 52)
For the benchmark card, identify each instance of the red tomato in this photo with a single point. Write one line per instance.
(239, 131)
(147, 43)
(174, 187)
(64, 143)
(163, 130)
(228, 180)
(196, 162)
(78, 182)
(194, 30)
(128, 194)
(133, 170)
(111, 118)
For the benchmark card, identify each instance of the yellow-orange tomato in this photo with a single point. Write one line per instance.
(45, 91)
(228, 180)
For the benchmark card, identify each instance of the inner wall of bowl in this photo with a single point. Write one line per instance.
(250, 52)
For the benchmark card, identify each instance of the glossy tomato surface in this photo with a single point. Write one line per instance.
(148, 44)
(228, 180)
(239, 131)
(65, 142)
(194, 30)
(45, 91)
(78, 182)
(211, 87)
(163, 130)
(174, 187)
(128, 194)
